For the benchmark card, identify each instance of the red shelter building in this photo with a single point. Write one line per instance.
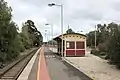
(74, 44)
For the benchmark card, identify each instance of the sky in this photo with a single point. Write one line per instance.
(80, 15)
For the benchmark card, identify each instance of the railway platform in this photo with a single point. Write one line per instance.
(45, 65)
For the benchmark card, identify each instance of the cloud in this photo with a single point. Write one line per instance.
(88, 15)
(79, 14)
(116, 6)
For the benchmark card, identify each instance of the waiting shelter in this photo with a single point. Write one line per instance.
(74, 44)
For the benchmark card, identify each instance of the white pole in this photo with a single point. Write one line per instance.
(46, 36)
(61, 6)
(52, 35)
(62, 30)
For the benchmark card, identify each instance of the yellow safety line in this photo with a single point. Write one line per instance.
(38, 70)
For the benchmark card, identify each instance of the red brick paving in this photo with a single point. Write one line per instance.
(43, 71)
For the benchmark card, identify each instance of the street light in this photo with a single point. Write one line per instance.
(53, 4)
(46, 35)
(61, 6)
(51, 31)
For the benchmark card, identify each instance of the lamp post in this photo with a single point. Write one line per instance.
(51, 31)
(46, 36)
(61, 6)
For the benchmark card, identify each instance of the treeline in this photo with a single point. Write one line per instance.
(107, 41)
(13, 42)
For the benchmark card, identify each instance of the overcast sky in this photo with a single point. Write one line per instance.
(81, 15)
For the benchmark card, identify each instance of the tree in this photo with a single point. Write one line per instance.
(25, 37)
(12, 42)
(70, 31)
(108, 41)
(91, 38)
(114, 47)
(8, 34)
(31, 32)
(103, 34)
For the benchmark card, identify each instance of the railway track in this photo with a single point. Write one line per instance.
(13, 72)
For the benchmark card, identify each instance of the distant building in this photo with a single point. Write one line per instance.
(74, 44)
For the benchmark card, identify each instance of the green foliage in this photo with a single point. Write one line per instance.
(94, 51)
(70, 31)
(12, 42)
(91, 38)
(5, 13)
(103, 47)
(32, 34)
(8, 33)
(108, 42)
(25, 42)
(114, 48)
(98, 53)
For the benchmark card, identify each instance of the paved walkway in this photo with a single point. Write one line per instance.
(60, 70)
(95, 67)
(39, 70)
(49, 66)
(33, 73)
(30, 67)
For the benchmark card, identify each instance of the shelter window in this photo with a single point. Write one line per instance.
(70, 45)
(80, 45)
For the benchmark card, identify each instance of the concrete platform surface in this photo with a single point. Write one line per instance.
(24, 75)
(49, 66)
(60, 70)
(95, 67)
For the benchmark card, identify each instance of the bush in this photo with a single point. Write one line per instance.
(103, 53)
(22, 48)
(2, 57)
(118, 65)
(94, 51)
(102, 47)
(98, 53)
